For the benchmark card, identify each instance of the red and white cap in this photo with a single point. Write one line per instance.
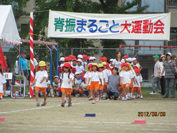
(79, 60)
(62, 59)
(80, 56)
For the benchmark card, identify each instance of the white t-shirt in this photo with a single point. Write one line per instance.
(101, 75)
(61, 65)
(138, 80)
(118, 63)
(106, 74)
(156, 68)
(80, 69)
(2, 81)
(39, 76)
(87, 77)
(133, 73)
(65, 80)
(161, 68)
(94, 76)
(109, 73)
(126, 76)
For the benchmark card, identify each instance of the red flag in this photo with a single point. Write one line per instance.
(2, 57)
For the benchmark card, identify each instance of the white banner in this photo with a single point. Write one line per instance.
(109, 26)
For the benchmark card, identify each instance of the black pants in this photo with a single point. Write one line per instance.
(162, 83)
(110, 93)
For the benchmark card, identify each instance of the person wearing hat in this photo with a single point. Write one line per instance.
(111, 63)
(56, 85)
(156, 74)
(135, 63)
(79, 67)
(74, 63)
(86, 76)
(80, 57)
(170, 71)
(162, 80)
(94, 78)
(41, 82)
(126, 78)
(67, 81)
(84, 60)
(62, 61)
(101, 84)
(77, 83)
(23, 63)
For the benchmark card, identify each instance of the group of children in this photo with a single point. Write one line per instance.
(103, 80)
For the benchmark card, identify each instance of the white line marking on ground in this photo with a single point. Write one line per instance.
(115, 122)
(36, 108)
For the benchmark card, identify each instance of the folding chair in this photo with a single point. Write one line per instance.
(20, 83)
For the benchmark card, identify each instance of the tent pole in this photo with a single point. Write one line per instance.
(57, 58)
(51, 65)
(31, 54)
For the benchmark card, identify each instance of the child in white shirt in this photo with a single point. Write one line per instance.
(41, 82)
(125, 80)
(95, 79)
(137, 84)
(66, 84)
(86, 76)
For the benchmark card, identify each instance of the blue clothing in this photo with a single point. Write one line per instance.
(23, 63)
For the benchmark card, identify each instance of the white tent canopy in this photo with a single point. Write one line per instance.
(8, 28)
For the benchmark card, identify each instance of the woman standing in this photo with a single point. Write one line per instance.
(162, 80)
(170, 70)
(118, 61)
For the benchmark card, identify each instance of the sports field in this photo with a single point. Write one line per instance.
(21, 115)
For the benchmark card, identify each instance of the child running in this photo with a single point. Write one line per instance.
(66, 84)
(137, 84)
(125, 80)
(41, 82)
(2, 81)
(101, 86)
(86, 76)
(94, 78)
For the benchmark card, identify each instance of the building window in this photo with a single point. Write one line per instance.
(173, 37)
(172, 3)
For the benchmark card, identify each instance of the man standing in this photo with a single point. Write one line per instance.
(23, 64)
(156, 76)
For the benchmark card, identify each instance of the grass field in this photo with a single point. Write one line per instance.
(21, 115)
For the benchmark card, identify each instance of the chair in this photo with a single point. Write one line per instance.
(21, 85)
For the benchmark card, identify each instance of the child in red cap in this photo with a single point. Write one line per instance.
(137, 84)
(125, 80)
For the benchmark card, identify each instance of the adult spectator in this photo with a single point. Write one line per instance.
(8, 64)
(113, 84)
(162, 80)
(170, 70)
(118, 61)
(156, 75)
(23, 64)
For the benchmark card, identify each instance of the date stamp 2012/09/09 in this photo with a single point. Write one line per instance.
(153, 114)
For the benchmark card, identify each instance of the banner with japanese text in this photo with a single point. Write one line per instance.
(109, 26)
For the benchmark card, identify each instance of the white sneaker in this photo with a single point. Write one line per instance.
(152, 93)
(97, 99)
(53, 96)
(93, 102)
(141, 97)
(90, 98)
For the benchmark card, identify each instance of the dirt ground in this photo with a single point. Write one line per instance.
(21, 115)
